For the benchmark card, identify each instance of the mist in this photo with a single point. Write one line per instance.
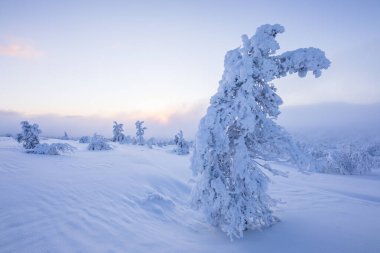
(53, 125)
(339, 120)
(332, 118)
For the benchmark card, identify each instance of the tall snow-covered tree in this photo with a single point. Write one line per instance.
(118, 130)
(239, 128)
(182, 145)
(140, 130)
(29, 136)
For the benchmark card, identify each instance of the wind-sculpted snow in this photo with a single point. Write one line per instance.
(136, 199)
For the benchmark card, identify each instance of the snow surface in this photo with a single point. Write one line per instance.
(135, 199)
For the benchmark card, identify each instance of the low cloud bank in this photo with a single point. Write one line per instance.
(76, 126)
(335, 118)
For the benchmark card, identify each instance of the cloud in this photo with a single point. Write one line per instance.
(335, 118)
(158, 126)
(18, 49)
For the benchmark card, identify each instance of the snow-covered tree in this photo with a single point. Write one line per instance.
(98, 142)
(118, 130)
(239, 128)
(29, 136)
(140, 130)
(65, 136)
(182, 145)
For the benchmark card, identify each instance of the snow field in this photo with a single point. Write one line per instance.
(135, 199)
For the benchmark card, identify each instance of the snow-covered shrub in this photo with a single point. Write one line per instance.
(29, 136)
(239, 128)
(98, 142)
(140, 130)
(182, 145)
(85, 139)
(347, 160)
(150, 142)
(51, 149)
(374, 150)
(127, 140)
(163, 142)
(118, 135)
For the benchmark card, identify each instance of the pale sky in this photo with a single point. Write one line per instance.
(153, 59)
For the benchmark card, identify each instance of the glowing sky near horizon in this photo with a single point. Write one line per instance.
(161, 57)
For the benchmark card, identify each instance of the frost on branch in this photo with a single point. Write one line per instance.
(239, 127)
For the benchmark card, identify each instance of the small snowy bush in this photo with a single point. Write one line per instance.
(29, 136)
(127, 140)
(182, 145)
(347, 160)
(85, 139)
(374, 150)
(51, 149)
(98, 142)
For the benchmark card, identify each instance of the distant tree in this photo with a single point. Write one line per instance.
(98, 142)
(239, 128)
(182, 145)
(118, 130)
(29, 136)
(65, 136)
(140, 130)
